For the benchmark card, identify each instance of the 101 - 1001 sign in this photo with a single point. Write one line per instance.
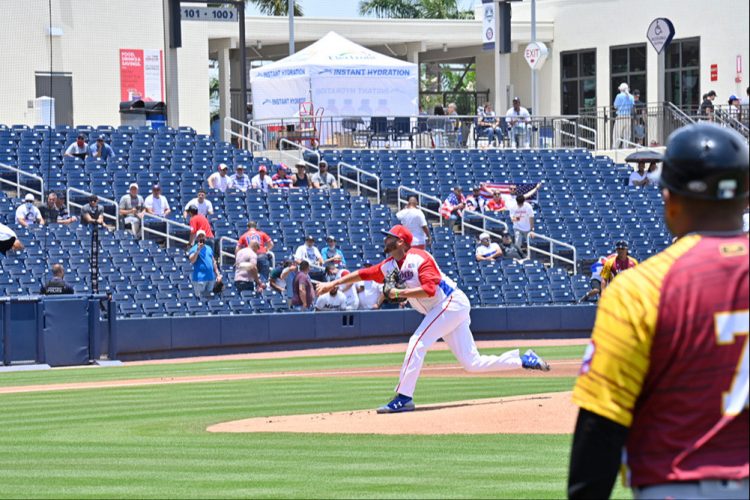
(208, 14)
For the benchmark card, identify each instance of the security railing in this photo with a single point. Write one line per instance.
(485, 219)
(18, 185)
(357, 181)
(163, 234)
(231, 255)
(571, 132)
(105, 201)
(551, 252)
(285, 146)
(404, 200)
(244, 135)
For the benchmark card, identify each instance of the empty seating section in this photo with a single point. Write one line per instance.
(585, 202)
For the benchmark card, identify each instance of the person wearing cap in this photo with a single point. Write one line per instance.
(200, 223)
(351, 302)
(27, 214)
(308, 252)
(706, 109)
(281, 180)
(56, 212)
(414, 220)
(324, 179)
(246, 275)
(487, 250)
(334, 300)
(78, 149)
(265, 245)
(57, 285)
(205, 269)
(333, 253)
(156, 204)
(300, 178)
(518, 120)
(239, 181)
(623, 107)
(100, 150)
(9, 240)
(262, 180)
(92, 214)
(219, 180)
(446, 311)
(204, 206)
(639, 177)
(509, 248)
(331, 271)
(615, 264)
(735, 108)
(663, 386)
(131, 210)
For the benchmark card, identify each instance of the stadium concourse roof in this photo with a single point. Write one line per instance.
(394, 37)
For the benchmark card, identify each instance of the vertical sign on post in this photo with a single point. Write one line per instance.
(738, 69)
(141, 75)
(488, 25)
(660, 33)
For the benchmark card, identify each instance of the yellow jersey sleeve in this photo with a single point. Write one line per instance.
(606, 273)
(616, 363)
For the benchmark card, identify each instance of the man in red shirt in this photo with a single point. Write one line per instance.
(496, 204)
(197, 223)
(265, 245)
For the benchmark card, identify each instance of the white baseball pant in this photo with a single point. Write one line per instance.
(450, 321)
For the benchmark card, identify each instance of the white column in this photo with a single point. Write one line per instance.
(170, 74)
(225, 95)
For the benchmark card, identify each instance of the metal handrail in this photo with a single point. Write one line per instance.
(116, 217)
(680, 114)
(420, 195)
(577, 136)
(166, 234)
(245, 135)
(19, 173)
(301, 149)
(485, 219)
(223, 254)
(551, 254)
(358, 182)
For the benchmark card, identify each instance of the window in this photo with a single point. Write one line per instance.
(682, 72)
(578, 81)
(628, 64)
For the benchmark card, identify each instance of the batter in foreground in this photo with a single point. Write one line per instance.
(666, 373)
(446, 315)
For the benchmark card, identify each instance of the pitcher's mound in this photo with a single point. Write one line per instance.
(552, 413)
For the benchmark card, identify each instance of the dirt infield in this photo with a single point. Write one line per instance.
(562, 368)
(552, 413)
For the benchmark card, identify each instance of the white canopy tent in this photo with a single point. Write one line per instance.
(338, 75)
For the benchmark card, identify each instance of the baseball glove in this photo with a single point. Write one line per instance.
(393, 280)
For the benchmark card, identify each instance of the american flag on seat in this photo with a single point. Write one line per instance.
(447, 207)
(490, 187)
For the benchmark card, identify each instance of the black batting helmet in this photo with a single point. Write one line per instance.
(706, 161)
(621, 244)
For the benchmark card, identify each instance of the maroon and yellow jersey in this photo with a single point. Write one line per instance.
(613, 267)
(669, 359)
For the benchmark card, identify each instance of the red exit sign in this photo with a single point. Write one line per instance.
(714, 72)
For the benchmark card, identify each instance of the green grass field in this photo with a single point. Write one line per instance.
(150, 442)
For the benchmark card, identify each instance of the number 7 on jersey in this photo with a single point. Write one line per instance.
(728, 326)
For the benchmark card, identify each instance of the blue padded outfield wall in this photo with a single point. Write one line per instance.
(212, 335)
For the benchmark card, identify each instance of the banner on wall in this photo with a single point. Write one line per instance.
(488, 24)
(141, 75)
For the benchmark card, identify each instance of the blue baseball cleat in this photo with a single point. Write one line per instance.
(531, 361)
(399, 404)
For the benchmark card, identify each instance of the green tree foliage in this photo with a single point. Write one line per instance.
(415, 9)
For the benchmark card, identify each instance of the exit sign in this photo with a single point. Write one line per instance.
(714, 72)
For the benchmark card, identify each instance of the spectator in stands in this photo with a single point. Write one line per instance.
(639, 178)
(219, 180)
(706, 109)
(324, 179)
(486, 250)
(100, 150)
(413, 219)
(204, 206)
(246, 275)
(522, 217)
(489, 124)
(278, 278)
(519, 124)
(735, 108)
(335, 300)
(92, 214)
(78, 149)
(156, 204)
(57, 285)
(199, 223)
(9, 240)
(27, 214)
(496, 204)
(331, 272)
(265, 245)
(623, 107)
(350, 292)
(453, 207)
(509, 248)
(131, 210)
(301, 179)
(370, 295)
(262, 180)
(654, 174)
(332, 253)
(308, 252)
(475, 202)
(55, 212)
(302, 289)
(281, 180)
(205, 269)
(239, 181)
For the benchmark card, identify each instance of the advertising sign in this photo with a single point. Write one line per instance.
(141, 75)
